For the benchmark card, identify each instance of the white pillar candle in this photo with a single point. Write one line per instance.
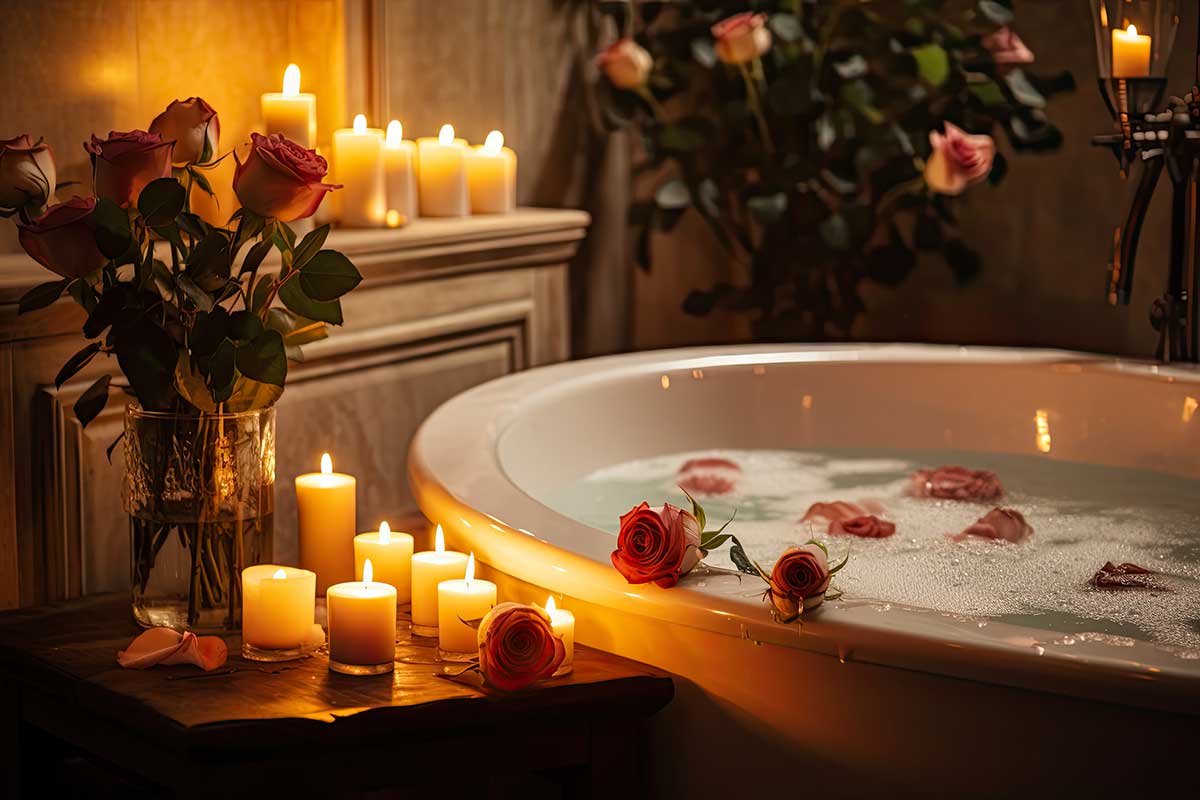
(391, 554)
(1130, 53)
(458, 600)
(492, 176)
(290, 112)
(429, 568)
(325, 507)
(400, 177)
(358, 167)
(362, 626)
(277, 607)
(442, 175)
(563, 624)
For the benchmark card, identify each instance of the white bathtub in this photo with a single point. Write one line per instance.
(855, 701)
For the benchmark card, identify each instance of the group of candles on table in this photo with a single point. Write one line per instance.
(389, 180)
(365, 578)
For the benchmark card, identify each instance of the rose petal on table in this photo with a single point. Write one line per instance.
(167, 646)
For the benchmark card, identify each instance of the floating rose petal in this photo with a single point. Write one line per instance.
(957, 483)
(866, 527)
(1002, 524)
(1125, 576)
(708, 476)
(841, 511)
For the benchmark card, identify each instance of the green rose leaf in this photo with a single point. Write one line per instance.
(42, 295)
(995, 12)
(294, 298)
(92, 401)
(249, 394)
(76, 363)
(328, 275)
(295, 329)
(112, 228)
(189, 382)
(309, 246)
(1023, 90)
(147, 355)
(161, 201)
(255, 256)
(932, 63)
(198, 296)
(221, 370)
(208, 331)
(264, 359)
(245, 326)
(208, 263)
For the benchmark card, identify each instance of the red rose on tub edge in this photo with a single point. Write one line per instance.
(281, 179)
(657, 546)
(126, 161)
(799, 580)
(63, 240)
(517, 646)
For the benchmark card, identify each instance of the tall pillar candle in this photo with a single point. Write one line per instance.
(362, 626)
(562, 622)
(325, 505)
(1130, 53)
(391, 553)
(400, 176)
(442, 175)
(459, 600)
(429, 568)
(277, 612)
(492, 176)
(358, 167)
(291, 112)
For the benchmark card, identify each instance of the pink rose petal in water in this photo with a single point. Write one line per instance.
(1125, 576)
(865, 527)
(841, 511)
(708, 476)
(956, 483)
(999, 524)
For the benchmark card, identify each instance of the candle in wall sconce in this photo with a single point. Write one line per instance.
(362, 626)
(391, 553)
(492, 176)
(358, 167)
(290, 112)
(1130, 53)
(442, 175)
(430, 568)
(459, 602)
(399, 169)
(562, 622)
(325, 505)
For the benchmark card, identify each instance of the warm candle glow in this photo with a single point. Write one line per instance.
(393, 219)
(368, 571)
(439, 540)
(1130, 53)
(1131, 31)
(550, 605)
(280, 575)
(326, 464)
(394, 135)
(360, 123)
(446, 134)
(385, 533)
(291, 80)
(470, 576)
(494, 143)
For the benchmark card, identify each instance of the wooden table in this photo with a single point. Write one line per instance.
(297, 729)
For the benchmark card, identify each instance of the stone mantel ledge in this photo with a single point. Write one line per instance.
(425, 247)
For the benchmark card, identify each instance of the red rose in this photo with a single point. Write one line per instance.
(799, 581)
(1005, 524)
(958, 159)
(63, 239)
(957, 483)
(626, 64)
(27, 174)
(517, 646)
(281, 179)
(865, 527)
(126, 161)
(659, 546)
(742, 37)
(190, 124)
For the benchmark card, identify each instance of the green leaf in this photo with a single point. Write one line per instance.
(835, 231)
(104, 313)
(255, 256)
(189, 382)
(76, 363)
(294, 298)
(309, 246)
(221, 369)
(92, 401)
(932, 63)
(147, 355)
(768, 208)
(328, 275)
(697, 509)
(264, 359)
(989, 93)
(743, 562)
(83, 293)
(199, 177)
(208, 331)
(995, 13)
(42, 295)
(161, 201)
(673, 195)
(244, 326)
(787, 27)
(680, 138)
(858, 95)
(250, 225)
(715, 541)
(208, 263)
(283, 236)
(198, 296)
(1023, 90)
(262, 289)
(295, 329)
(249, 394)
(112, 228)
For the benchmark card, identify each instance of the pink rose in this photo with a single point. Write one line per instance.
(840, 510)
(742, 37)
(517, 646)
(957, 483)
(659, 546)
(281, 179)
(126, 161)
(865, 527)
(708, 476)
(63, 239)
(626, 63)
(190, 124)
(799, 581)
(1007, 48)
(1001, 524)
(958, 160)
(27, 174)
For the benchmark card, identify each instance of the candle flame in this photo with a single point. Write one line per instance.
(368, 571)
(550, 605)
(1131, 31)
(439, 540)
(385, 533)
(470, 568)
(446, 134)
(360, 123)
(494, 143)
(394, 135)
(393, 218)
(291, 80)
(326, 464)
(279, 574)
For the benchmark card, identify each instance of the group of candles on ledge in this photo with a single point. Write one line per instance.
(365, 578)
(389, 180)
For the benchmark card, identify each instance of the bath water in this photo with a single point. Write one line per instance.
(1082, 515)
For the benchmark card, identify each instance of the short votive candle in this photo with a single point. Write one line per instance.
(562, 622)
(430, 568)
(277, 610)
(391, 554)
(362, 626)
(461, 601)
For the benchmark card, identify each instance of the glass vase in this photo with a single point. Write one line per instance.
(200, 493)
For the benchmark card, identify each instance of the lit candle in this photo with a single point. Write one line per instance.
(492, 176)
(391, 553)
(563, 624)
(399, 169)
(362, 626)
(290, 112)
(429, 568)
(442, 175)
(1130, 53)
(277, 612)
(325, 506)
(458, 600)
(358, 167)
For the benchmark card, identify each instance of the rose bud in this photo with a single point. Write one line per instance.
(1001, 524)
(281, 179)
(864, 527)
(659, 546)
(958, 160)
(517, 646)
(626, 64)
(63, 239)
(1007, 48)
(126, 161)
(742, 37)
(190, 124)
(27, 174)
(799, 581)
(957, 483)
